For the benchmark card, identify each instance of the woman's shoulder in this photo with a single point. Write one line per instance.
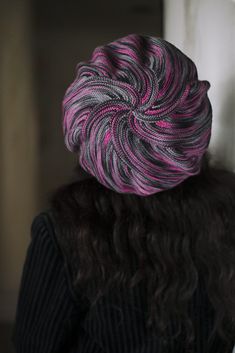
(44, 230)
(44, 226)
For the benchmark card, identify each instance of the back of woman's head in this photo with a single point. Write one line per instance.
(147, 205)
(138, 115)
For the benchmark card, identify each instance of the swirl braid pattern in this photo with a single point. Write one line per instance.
(138, 116)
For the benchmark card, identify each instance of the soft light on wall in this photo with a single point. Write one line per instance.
(205, 31)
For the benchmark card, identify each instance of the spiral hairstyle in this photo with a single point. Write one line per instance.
(138, 115)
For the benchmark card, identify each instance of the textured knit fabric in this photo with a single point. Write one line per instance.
(50, 318)
(138, 115)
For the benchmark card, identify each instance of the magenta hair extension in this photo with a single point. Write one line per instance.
(138, 115)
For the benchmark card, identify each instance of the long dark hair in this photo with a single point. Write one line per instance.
(170, 239)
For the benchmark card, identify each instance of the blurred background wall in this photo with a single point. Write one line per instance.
(205, 31)
(19, 153)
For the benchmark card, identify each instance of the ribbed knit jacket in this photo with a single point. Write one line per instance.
(50, 318)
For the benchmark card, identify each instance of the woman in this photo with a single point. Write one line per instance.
(137, 254)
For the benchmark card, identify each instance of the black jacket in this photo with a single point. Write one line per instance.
(50, 317)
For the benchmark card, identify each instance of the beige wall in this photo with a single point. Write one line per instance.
(205, 31)
(18, 149)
